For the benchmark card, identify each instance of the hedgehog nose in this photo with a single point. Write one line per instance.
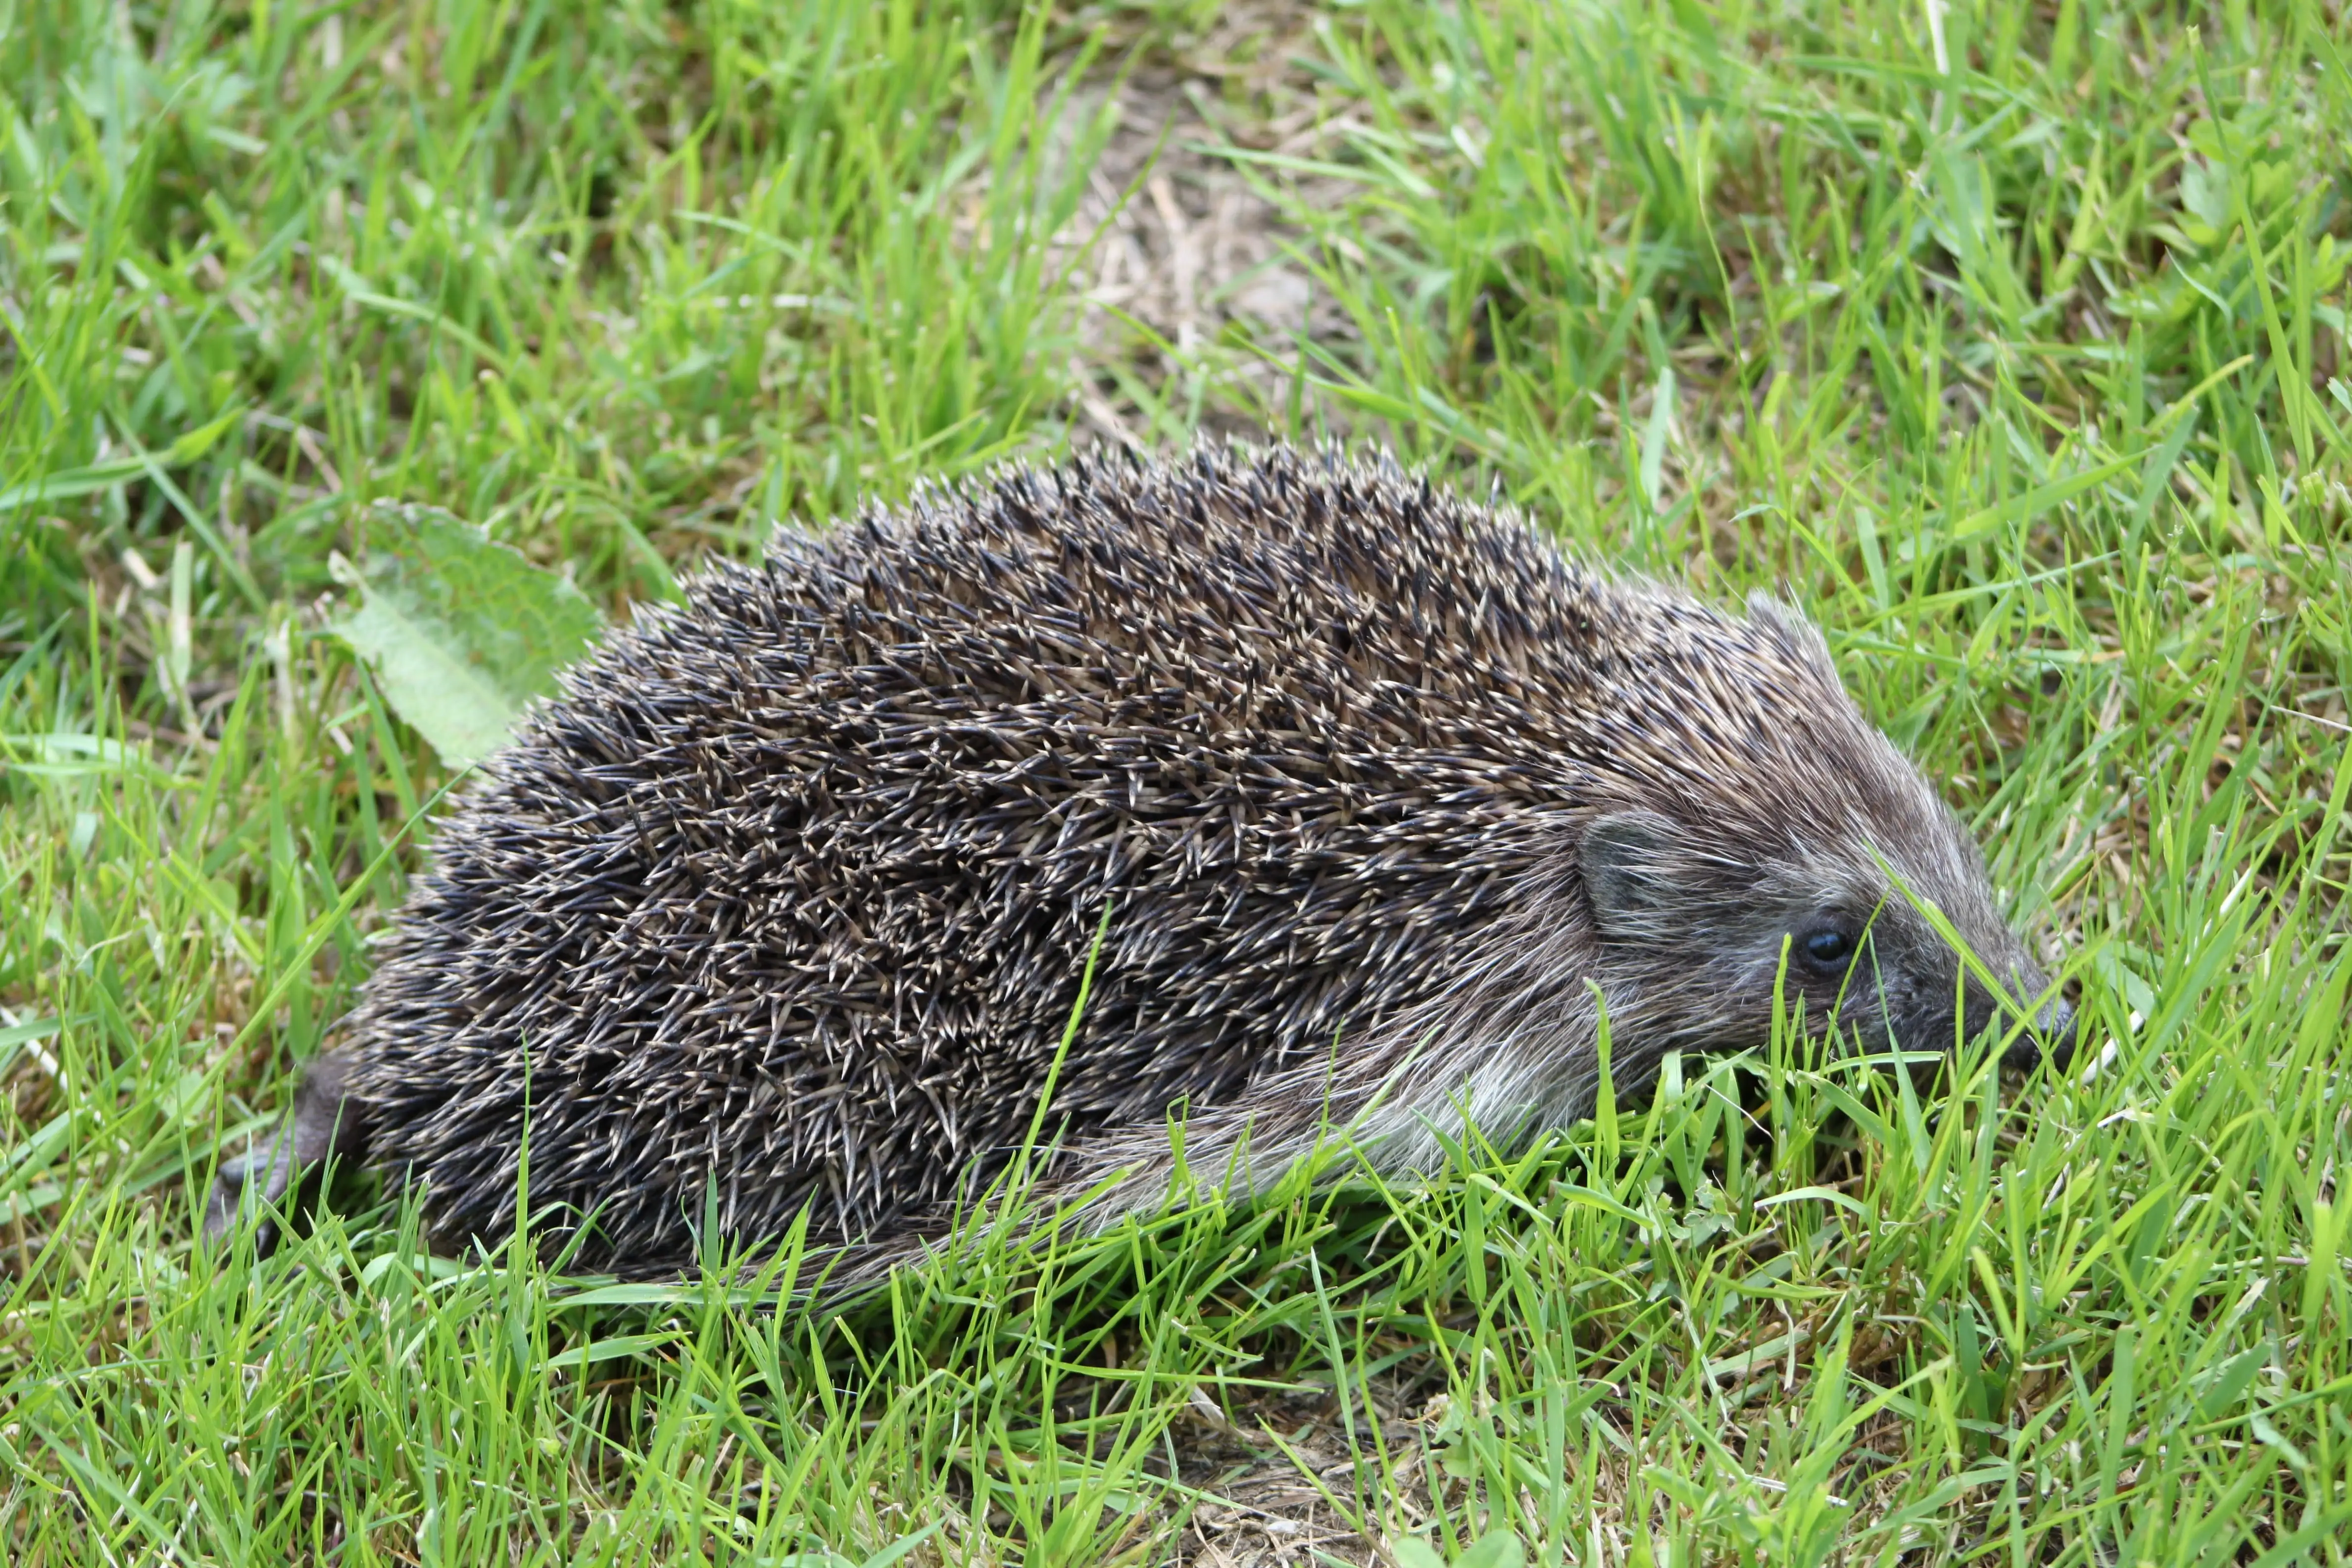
(2052, 1035)
(2057, 1024)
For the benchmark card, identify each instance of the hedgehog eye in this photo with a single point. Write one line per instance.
(1829, 948)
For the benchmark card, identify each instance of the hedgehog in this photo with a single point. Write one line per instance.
(1366, 807)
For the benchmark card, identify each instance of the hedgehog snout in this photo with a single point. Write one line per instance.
(2053, 1035)
(2050, 1031)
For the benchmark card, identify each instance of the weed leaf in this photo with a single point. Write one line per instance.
(460, 630)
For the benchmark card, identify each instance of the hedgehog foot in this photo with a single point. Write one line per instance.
(324, 1125)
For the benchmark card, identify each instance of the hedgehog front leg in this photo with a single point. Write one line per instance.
(323, 1125)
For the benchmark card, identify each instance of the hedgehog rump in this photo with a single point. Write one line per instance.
(789, 892)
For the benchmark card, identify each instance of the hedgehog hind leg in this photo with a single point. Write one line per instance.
(325, 1124)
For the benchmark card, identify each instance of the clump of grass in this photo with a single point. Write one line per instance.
(2008, 338)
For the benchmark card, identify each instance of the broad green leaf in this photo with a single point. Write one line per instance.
(1496, 1549)
(460, 631)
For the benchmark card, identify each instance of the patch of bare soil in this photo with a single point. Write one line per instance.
(1288, 1488)
(1192, 271)
(1293, 1478)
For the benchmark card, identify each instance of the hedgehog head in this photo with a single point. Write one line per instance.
(1834, 871)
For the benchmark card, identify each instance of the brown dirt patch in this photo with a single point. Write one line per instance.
(1192, 271)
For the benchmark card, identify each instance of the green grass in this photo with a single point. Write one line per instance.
(2014, 355)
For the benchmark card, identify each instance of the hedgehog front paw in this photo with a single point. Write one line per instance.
(230, 1196)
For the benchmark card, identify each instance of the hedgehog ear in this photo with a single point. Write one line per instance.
(1626, 858)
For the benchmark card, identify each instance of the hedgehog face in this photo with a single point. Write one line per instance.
(1832, 855)
(1885, 973)
(1700, 926)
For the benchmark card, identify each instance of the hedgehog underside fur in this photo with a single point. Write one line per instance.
(791, 891)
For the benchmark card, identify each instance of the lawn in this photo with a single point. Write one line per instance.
(2008, 338)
